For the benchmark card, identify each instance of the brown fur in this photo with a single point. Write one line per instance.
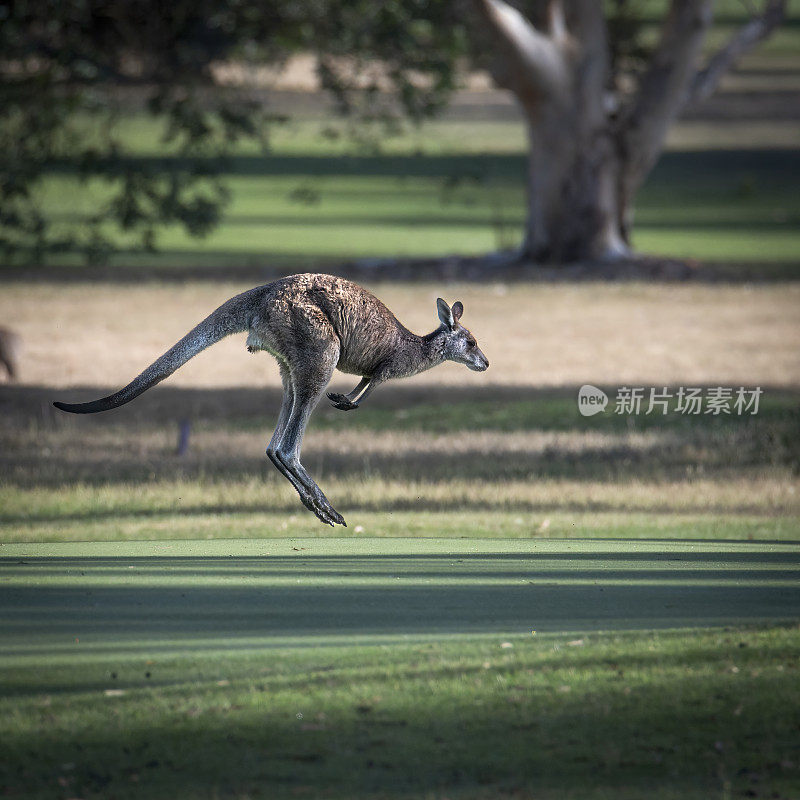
(310, 313)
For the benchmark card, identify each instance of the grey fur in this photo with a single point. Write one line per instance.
(313, 324)
(9, 351)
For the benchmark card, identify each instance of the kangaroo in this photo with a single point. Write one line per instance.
(313, 324)
(9, 351)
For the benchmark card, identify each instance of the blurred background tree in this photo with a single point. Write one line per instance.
(598, 102)
(597, 98)
(67, 63)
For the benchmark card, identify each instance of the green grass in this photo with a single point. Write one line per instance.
(555, 410)
(607, 613)
(502, 468)
(506, 467)
(402, 668)
(452, 188)
(115, 516)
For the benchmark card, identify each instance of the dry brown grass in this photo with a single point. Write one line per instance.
(133, 468)
(117, 475)
(534, 335)
(767, 495)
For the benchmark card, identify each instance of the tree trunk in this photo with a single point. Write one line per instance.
(575, 207)
(591, 150)
(559, 76)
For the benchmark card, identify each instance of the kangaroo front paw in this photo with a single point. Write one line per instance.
(341, 402)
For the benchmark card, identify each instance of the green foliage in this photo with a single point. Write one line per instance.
(628, 47)
(69, 71)
(66, 62)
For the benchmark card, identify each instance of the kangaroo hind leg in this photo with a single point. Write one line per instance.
(308, 381)
(283, 418)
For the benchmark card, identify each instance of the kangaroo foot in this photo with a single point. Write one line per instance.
(341, 402)
(324, 506)
(318, 505)
(331, 516)
(310, 494)
(321, 512)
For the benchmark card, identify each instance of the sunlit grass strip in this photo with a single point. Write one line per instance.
(754, 494)
(453, 524)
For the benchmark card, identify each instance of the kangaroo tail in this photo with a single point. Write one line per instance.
(233, 316)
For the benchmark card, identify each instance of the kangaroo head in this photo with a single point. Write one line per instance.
(459, 344)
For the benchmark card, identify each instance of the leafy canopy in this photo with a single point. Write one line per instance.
(70, 68)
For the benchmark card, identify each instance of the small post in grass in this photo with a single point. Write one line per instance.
(184, 431)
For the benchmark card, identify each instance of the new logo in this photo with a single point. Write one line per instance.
(591, 400)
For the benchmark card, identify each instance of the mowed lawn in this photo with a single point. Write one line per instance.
(400, 668)
(302, 208)
(528, 603)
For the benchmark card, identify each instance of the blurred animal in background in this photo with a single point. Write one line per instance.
(10, 345)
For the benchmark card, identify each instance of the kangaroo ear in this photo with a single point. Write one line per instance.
(458, 310)
(445, 314)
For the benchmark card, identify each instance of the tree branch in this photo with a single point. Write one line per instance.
(747, 37)
(531, 63)
(663, 87)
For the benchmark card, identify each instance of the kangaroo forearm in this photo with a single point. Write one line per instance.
(352, 400)
(370, 386)
(363, 383)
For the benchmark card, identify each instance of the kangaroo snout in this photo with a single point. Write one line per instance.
(480, 366)
(478, 362)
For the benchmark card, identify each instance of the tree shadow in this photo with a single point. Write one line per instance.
(543, 744)
(168, 599)
(550, 408)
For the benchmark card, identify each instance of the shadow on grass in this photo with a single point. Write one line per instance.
(680, 167)
(545, 723)
(668, 447)
(763, 222)
(398, 407)
(541, 743)
(165, 601)
(256, 267)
